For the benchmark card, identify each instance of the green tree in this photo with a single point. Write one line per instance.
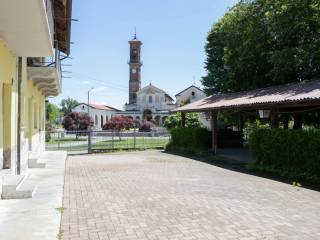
(52, 113)
(174, 120)
(67, 105)
(260, 43)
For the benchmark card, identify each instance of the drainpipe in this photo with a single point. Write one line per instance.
(18, 167)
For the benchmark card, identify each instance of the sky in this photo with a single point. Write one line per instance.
(173, 33)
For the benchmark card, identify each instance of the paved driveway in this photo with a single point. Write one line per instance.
(153, 195)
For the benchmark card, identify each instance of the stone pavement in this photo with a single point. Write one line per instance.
(153, 195)
(36, 218)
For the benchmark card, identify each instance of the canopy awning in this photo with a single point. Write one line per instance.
(306, 93)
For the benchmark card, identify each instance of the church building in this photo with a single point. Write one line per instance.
(149, 102)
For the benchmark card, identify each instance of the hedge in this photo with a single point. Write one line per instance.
(189, 139)
(294, 153)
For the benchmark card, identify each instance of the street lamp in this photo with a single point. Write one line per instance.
(89, 100)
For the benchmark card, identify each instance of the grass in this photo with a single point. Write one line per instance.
(116, 144)
(54, 141)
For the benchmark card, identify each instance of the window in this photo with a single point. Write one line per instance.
(193, 94)
(82, 107)
(150, 99)
(96, 120)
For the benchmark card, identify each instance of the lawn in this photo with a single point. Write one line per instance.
(116, 144)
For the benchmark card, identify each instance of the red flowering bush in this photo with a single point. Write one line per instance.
(146, 126)
(118, 123)
(75, 121)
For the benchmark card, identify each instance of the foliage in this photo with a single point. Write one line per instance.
(174, 120)
(259, 43)
(198, 139)
(118, 123)
(293, 153)
(146, 126)
(52, 113)
(75, 121)
(67, 105)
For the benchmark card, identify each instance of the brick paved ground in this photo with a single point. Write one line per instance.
(152, 195)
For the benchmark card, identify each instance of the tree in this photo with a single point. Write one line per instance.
(67, 105)
(52, 113)
(174, 120)
(260, 43)
(75, 121)
(147, 126)
(118, 123)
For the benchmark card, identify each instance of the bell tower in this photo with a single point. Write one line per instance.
(135, 69)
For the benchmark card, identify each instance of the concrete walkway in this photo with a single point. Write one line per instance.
(36, 218)
(157, 196)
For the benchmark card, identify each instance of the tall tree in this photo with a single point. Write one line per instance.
(259, 43)
(52, 113)
(67, 105)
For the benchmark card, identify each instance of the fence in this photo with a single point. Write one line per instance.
(104, 141)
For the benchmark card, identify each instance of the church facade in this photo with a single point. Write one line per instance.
(149, 102)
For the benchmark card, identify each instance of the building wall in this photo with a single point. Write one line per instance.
(158, 102)
(95, 115)
(32, 113)
(187, 95)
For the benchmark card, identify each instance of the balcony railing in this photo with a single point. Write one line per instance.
(48, 62)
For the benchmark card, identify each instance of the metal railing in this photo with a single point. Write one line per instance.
(105, 141)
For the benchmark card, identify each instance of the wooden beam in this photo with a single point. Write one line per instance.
(214, 128)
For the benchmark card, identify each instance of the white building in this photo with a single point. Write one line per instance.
(193, 94)
(189, 95)
(99, 113)
(152, 104)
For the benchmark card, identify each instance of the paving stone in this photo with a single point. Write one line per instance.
(153, 195)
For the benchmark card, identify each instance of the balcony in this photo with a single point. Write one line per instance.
(46, 74)
(27, 27)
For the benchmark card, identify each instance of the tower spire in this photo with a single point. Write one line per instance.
(135, 33)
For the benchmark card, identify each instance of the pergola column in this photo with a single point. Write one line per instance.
(183, 119)
(274, 123)
(214, 128)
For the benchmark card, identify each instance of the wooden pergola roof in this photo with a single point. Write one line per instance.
(306, 93)
(62, 20)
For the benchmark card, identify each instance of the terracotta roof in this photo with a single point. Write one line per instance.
(303, 92)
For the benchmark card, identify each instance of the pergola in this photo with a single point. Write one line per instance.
(294, 97)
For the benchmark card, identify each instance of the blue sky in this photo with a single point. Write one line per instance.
(173, 33)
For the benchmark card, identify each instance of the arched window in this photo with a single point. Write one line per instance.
(150, 99)
(101, 117)
(95, 120)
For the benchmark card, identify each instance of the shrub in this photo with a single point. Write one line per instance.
(118, 123)
(174, 121)
(295, 153)
(75, 121)
(146, 126)
(190, 139)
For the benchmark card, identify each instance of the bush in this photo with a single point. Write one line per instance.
(146, 126)
(294, 153)
(174, 121)
(118, 123)
(75, 121)
(190, 140)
